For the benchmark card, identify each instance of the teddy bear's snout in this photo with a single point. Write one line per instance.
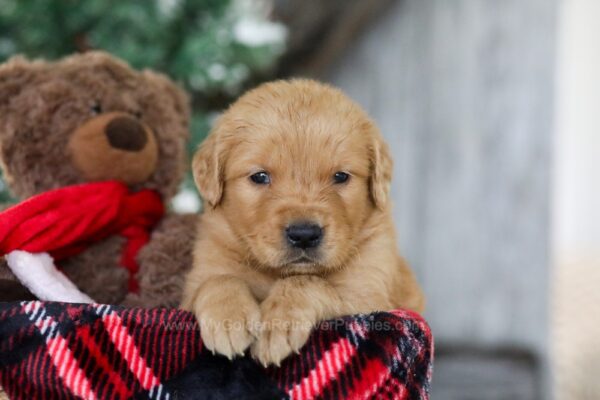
(125, 133)
(115, 146)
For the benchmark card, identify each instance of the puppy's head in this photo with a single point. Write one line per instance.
(297, 169)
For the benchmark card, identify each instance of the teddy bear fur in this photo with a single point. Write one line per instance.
(41, 104)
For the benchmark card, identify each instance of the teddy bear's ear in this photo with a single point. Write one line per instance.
(15, 75)
(176, 94)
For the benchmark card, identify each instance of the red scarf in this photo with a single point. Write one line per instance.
(65, 221)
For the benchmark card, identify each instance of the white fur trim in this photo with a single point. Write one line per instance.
(37, 272)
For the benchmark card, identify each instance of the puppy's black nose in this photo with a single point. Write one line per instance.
(304, 236)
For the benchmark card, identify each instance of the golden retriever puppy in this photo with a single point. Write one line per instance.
(297, 225)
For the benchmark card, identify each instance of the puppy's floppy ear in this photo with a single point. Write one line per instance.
(208, 170)
(381, 171)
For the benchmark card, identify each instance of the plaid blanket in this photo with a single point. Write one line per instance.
(62, 351)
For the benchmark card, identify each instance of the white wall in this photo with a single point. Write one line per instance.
(576, 204)
(577, 152)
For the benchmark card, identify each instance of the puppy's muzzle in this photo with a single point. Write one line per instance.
(304, 235)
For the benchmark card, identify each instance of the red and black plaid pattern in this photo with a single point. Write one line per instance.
(375, 356)
(63, 351)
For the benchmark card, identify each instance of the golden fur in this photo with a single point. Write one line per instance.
(247, 287)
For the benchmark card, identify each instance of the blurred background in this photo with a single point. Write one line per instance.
(491, 110)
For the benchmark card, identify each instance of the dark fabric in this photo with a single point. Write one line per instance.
(57, 350)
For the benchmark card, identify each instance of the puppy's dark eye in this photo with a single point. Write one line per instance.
(137, 114)
(340, 177)
(261, 178)
(96, 109)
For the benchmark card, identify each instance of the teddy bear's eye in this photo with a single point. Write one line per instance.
(96, 109)
(137, 114)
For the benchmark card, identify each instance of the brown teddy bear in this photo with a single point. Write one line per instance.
(91, 118)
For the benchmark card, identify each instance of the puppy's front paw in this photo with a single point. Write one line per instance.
(229, 329)
(284, 329)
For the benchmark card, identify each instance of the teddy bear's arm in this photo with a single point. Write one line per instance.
(164, 262)
(97, 271)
